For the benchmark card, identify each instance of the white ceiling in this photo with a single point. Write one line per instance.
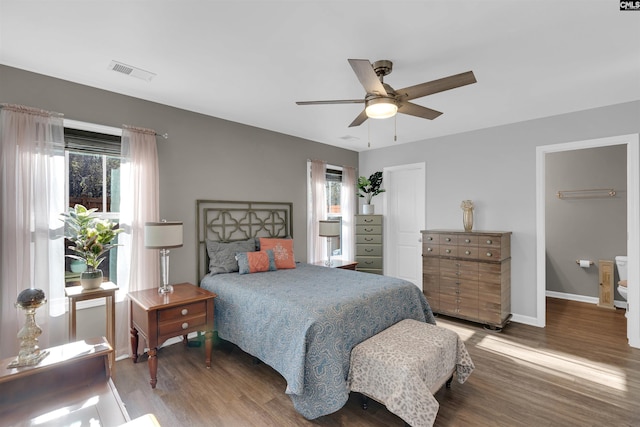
(249, 61)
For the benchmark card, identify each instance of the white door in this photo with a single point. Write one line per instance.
(404, 213)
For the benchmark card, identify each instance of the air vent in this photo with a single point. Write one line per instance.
(349, 138)
(131, 71)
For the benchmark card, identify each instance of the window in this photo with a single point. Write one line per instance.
(92, 167)
(334, 187)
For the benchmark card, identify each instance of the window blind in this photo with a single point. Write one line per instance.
(86, 142)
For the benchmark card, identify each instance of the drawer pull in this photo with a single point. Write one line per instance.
(368, 262)
(184, 312)
(368, 250)
(467, 240)
(489, 242)
(448, 239)
(368, 239)
(429, 249)
(368, 230)
(429, 238)
(368, 220)
(489, 254)
(467, 252)
(448, 251)
(185, 325)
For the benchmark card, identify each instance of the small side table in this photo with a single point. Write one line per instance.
(106, 290)
(339, 263)
(158, 317)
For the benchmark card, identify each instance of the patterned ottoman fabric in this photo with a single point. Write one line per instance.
(399, 366)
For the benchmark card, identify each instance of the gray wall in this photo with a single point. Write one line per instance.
(592, 229)
(204, 157)
(496, 168)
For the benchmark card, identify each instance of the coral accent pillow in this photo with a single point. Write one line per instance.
(282, 250)
(255, 262)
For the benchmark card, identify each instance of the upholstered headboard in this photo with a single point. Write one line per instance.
(228, 221)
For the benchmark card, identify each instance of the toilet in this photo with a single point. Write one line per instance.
(621, 262)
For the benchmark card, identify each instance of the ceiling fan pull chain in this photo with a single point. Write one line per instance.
(368, 134)
(395, 128)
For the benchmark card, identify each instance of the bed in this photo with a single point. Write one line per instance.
(302, 321)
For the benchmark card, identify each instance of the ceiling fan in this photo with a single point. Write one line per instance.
(382, 101)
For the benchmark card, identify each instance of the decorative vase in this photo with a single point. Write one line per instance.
(467, 219)
(78, 266)
(91, 279)
(368, 209)
(467, 214)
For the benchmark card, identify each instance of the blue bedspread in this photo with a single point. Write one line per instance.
(304, 322)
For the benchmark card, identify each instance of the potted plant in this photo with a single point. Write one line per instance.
(369, 187)
(91, 238)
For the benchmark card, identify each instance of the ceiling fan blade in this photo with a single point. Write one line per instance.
(337, 101)
(418, 111)
(366, 75)
(435, 86)
(359, 120)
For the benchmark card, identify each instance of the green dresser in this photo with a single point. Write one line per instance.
(369, 243)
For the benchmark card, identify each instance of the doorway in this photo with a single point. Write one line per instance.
(633, 225)
(404, 212)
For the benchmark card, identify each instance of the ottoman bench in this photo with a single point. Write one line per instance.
(404, 365)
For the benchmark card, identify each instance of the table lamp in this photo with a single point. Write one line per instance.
(163, 235)
(329, 229)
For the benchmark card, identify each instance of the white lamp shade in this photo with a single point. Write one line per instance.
(329, 228)
(163, 235)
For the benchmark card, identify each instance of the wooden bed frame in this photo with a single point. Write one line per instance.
(228, 221)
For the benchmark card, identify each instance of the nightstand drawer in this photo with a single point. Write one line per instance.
(183, 326)
(189, 310)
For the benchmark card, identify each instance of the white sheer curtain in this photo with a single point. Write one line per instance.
(316, 209)
(348, 206)
(31, 201)
(138, 267)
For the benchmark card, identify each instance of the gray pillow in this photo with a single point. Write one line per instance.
(222, 256)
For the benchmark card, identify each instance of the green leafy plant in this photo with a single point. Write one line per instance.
(369, 187)
(91, 236)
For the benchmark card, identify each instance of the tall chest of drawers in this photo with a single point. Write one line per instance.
(468, 274)
(369, 243)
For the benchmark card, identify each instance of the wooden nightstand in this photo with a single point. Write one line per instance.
(159, 317)
(338, 263)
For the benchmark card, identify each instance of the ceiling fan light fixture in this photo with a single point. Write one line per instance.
(381, 108)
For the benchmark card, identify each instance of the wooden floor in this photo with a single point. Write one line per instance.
(578, 371)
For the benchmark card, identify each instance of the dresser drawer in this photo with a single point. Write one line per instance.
(369, 250)
(368, 229)
(489, 254)
(468, 240)
(448, 239)
(468, 252)
(489, 241)
(369, 239)
(430, 238)
(170, 314)
(368, 219)
(448, 250)
(369, 262)
(430, 249)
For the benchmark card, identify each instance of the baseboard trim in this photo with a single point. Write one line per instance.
(582, 298)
